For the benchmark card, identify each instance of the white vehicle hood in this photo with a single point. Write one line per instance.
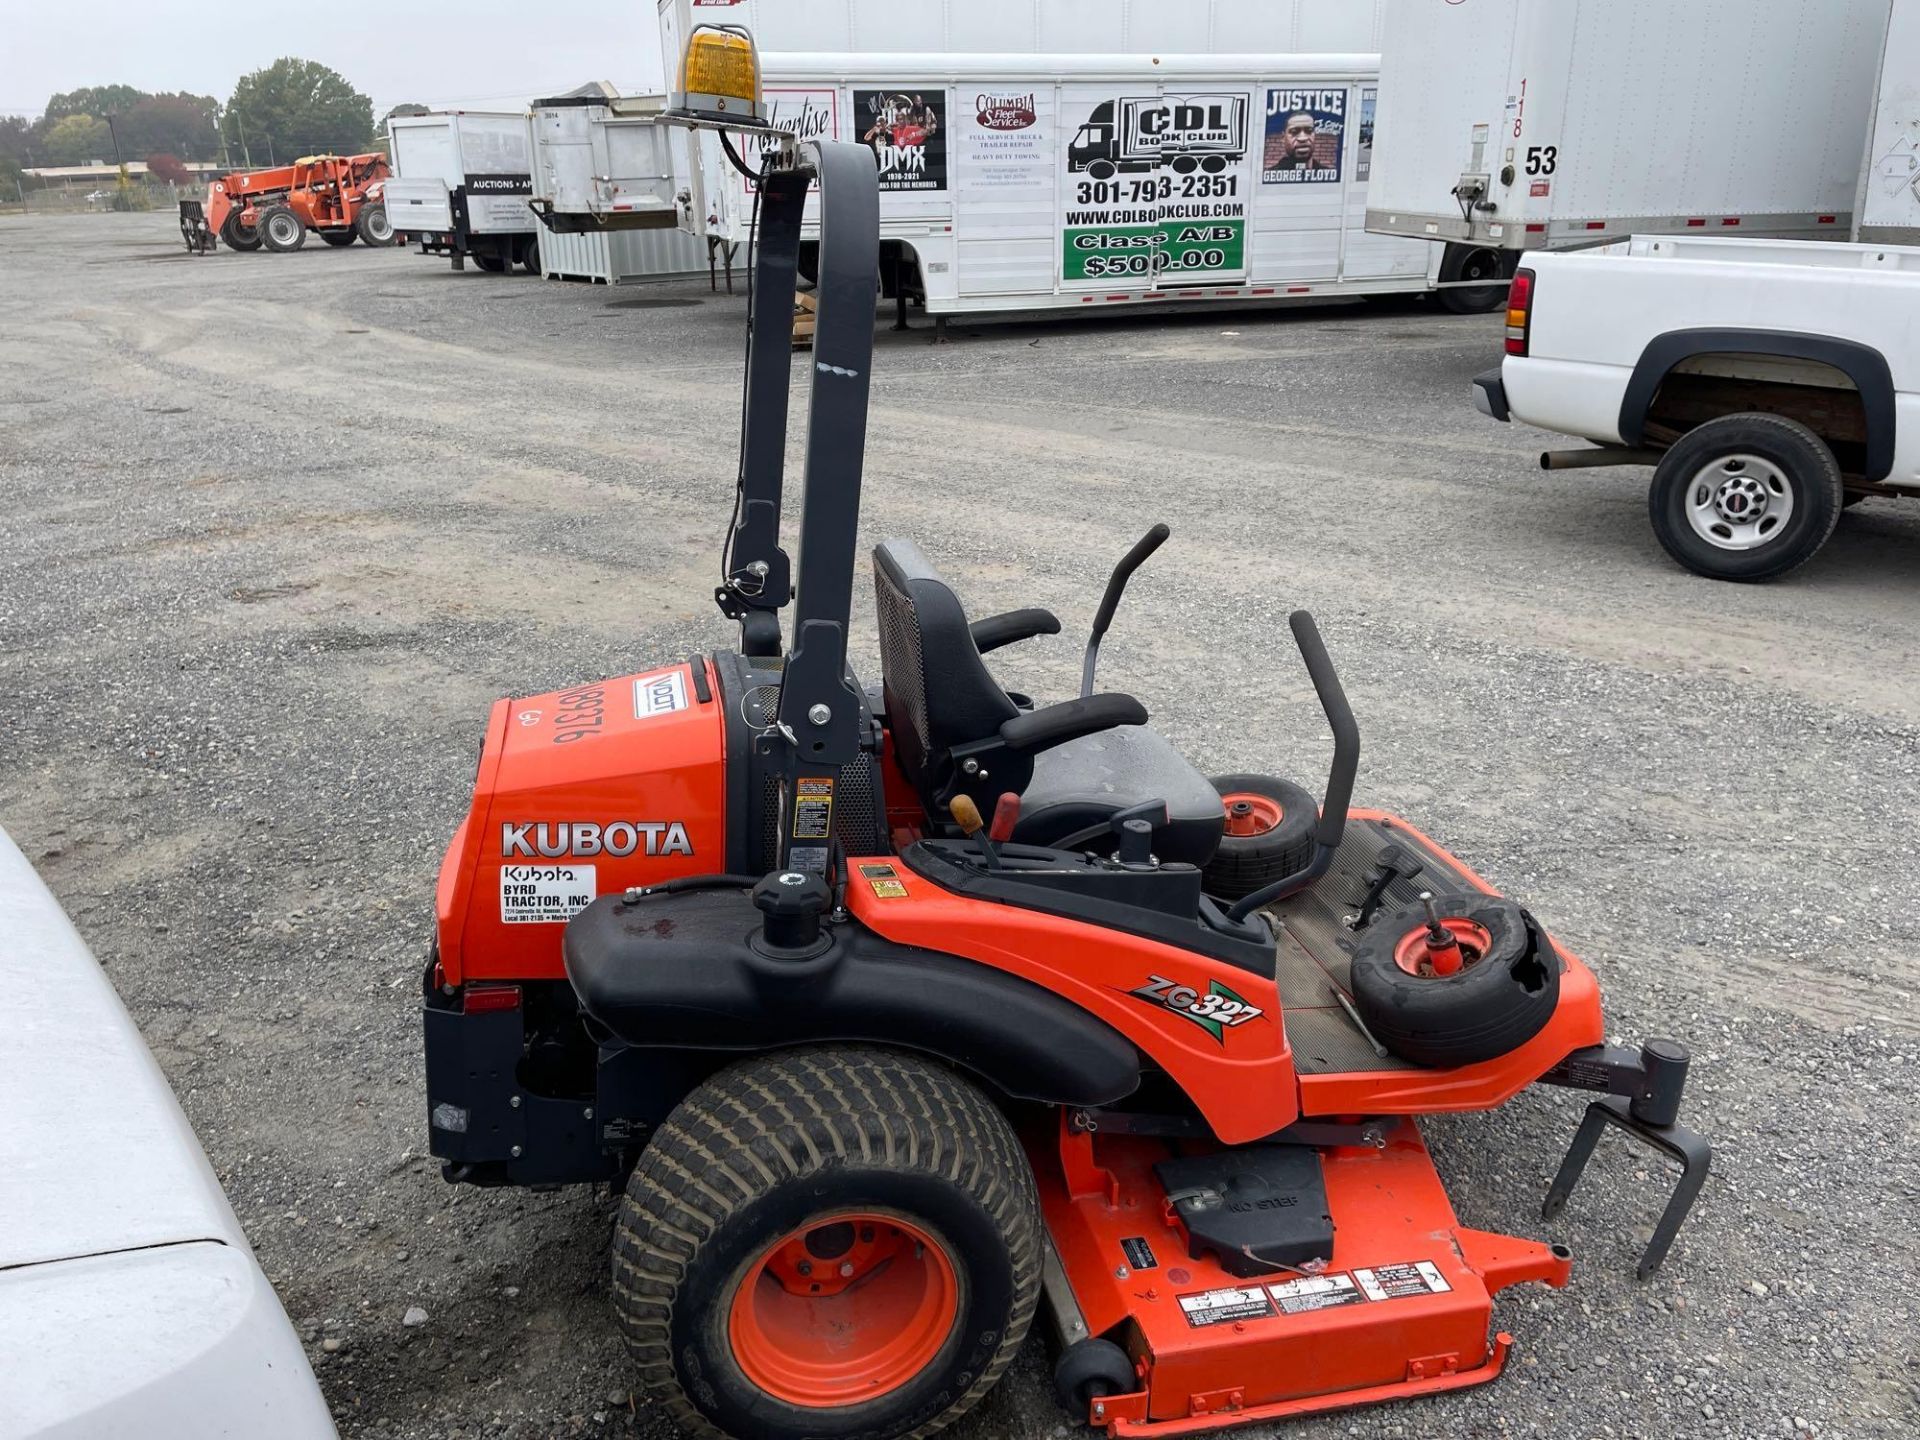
(130, 1302)
(98, 1156)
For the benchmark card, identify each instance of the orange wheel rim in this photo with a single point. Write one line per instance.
(844, 1309)
(1472, 938)
(1250, 814)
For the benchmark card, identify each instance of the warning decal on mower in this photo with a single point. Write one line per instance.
(543, 894)
(813, 808)
(1316, 1292)
(885, 880)
(1218, 1307)
(1396, 1282)
(660, 694)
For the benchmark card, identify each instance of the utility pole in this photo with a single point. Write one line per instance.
(246, 154)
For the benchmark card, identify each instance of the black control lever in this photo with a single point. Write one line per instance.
(1340, 776)
(1116, 587)
(1154, 812)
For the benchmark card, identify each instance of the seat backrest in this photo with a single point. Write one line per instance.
(939, 693)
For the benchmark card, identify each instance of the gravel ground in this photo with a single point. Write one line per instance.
(278, 528)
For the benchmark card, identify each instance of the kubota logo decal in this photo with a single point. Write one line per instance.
(581, 838)
(1215, 1012)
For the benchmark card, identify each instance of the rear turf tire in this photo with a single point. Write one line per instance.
(780, 1145)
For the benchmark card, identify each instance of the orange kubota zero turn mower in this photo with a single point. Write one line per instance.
(901, 1010)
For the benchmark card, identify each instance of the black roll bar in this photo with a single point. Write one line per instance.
(818, 719)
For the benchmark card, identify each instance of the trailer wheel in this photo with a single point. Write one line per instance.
(282, 230)
(238, 236)
(530, 257)
(339, 239)
(827, 1242)
(1745, 497)
(372, 224)
(1498, 1000)
(1461, 262)
(489, 262)
(1268, 836)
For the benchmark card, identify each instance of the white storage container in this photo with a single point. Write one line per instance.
(621, 257)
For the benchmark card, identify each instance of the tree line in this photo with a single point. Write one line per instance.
(275, 115)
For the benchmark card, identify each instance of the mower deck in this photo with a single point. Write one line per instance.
(1402, 1308)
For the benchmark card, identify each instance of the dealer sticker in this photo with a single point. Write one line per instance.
(1218, 1307)
(1316, 1292)
(1396, 1282)
(544, 894)
(659, 694)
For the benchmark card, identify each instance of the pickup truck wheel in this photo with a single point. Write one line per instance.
(1745, 497)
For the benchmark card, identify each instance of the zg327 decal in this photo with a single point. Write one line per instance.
(1215, 1010)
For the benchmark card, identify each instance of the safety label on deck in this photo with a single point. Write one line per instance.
(1395, 1282)
(1316, 1292)
(1217, 1307)
(812, 808)
(539, 894)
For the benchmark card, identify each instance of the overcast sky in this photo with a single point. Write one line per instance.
(393, 50)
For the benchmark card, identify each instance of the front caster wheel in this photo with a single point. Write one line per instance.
(827, 1242)
(1091, 1370)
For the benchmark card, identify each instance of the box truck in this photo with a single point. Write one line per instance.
(461, 183)
(1510, 125)
(1017, 182)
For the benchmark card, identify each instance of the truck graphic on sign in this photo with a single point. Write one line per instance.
(1138, 133)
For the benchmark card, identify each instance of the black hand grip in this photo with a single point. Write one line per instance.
(1346, 734)
(1123, 572)
(1340, 775)
(1109, 602)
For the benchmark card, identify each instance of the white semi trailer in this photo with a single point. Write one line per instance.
(461, 182)
(1511, 125)
(1888, 208)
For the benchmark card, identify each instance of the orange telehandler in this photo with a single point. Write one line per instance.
(340, 196)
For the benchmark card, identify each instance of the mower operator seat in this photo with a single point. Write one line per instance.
(1073, 765)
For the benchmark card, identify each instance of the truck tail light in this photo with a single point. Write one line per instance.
(1519, 309)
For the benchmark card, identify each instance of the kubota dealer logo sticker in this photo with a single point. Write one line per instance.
(1216, 1011)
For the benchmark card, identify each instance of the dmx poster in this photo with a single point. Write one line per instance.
(907, 131)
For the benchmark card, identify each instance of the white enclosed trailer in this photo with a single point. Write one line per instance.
(461, 182)
(1043, 27)
(1044, 182)
(1888, 210)
(1530, 124)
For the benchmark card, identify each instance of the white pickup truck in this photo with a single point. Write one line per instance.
(1770, 383)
